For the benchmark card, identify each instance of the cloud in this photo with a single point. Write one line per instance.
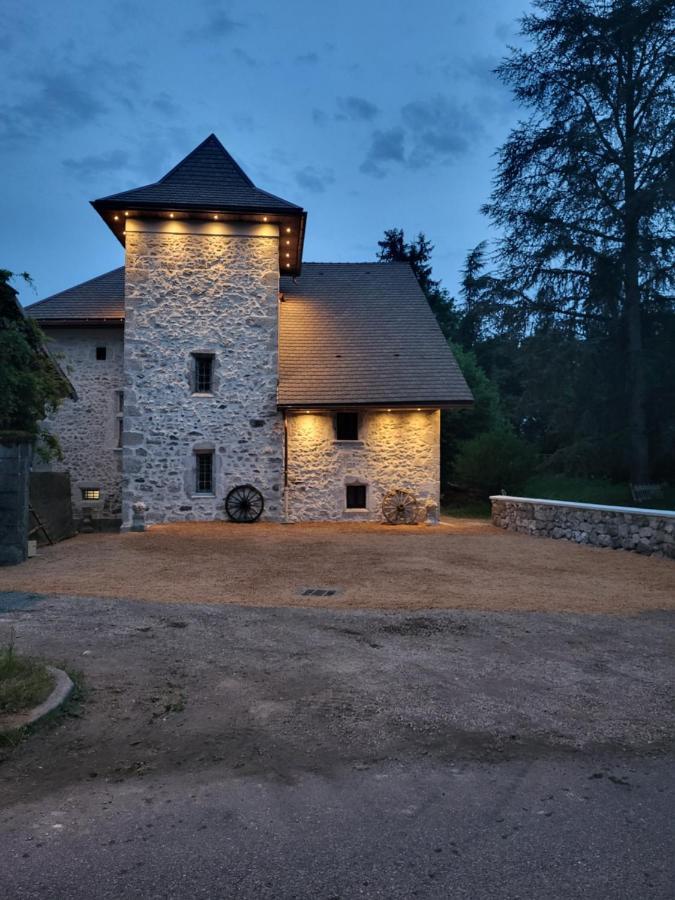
(432, 132)
(310, 59)
(385, 147)
(313, 179)
(164, 104)
(245, 57)
(218, 25)
(319, 117)
(356, 109)
(440, 130)
(90, 167)
(66, 97)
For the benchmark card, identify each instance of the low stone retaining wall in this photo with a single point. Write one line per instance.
(649, 531)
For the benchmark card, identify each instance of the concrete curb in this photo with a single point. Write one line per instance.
(63, 687)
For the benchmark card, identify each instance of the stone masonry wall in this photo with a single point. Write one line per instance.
(199, 290)
(395, 449)
(644, 531)
(87, 428)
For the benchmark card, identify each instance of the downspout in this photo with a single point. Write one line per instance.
(285, 468)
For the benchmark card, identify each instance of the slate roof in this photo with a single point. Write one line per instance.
(99, 299)
(350, 334)
(363, 333)
(208, 178)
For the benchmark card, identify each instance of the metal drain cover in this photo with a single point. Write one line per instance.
(319, 592)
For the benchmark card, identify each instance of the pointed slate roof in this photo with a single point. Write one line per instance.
(208, 178)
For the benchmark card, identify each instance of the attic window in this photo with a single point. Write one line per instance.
(347, 426)
(101, 353)
(91, 494)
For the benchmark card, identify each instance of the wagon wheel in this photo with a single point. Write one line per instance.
(244, 503)
(399, 507)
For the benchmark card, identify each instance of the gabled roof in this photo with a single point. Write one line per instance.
(208, 178)
(99, 300)
(350, 334)
(355, 334)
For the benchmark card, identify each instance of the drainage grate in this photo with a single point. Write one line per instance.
(318, 592)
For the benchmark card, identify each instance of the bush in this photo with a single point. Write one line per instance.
(494, 461)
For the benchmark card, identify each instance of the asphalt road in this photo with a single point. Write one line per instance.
(243, 753)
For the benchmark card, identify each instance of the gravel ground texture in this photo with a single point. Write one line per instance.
(460, 565)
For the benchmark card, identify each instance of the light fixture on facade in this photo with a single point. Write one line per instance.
(288, 231)
(264, 218)
(288, 243)
(126, 213)
(216, 218)
(288, 265)
(171, 215)
(116, 218)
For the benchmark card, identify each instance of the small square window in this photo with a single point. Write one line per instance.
(203, 378)
(204, 473)
(347, 426)
(91, 494)
(101, 353)
(356, 496)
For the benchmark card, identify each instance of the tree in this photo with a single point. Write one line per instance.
(585, 189)
(395, 248)
(31, 383)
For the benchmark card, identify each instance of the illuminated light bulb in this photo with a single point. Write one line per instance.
(288, 265)
(124, 232)
(264, 218)
(126, 213)
(216, 218)
(288, 243)
(116, 218)
(288, 231)
(171, 215)
(419, 409)
(288, 254)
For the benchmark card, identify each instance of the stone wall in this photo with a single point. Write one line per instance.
(191, 288)
(15, 460)
(87, 428)
(642, 530)
(395, 449)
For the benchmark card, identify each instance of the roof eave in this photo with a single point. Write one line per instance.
(377, 404)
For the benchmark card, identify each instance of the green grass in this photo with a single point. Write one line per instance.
(589, 490)
(475, 509)
(24, 683)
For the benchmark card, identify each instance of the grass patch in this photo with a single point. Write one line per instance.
(24, 683)
(473, 509)
(590, 490)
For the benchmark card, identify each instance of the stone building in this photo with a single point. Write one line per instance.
(215, 359)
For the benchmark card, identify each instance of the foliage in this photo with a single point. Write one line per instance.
(495, 460)
(31, 386)
(584, 199)
(395, 248)
(24, 683)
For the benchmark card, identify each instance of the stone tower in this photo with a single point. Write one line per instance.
(204, 251)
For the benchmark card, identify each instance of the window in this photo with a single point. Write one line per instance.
(91, 494)
(356, 496)
(119, 416)
(347, 426)
(204, 472)
(203, 378)
(101, 353)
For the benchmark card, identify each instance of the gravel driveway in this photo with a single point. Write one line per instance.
(466, 565)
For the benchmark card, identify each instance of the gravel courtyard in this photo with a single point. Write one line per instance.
(460, 565)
